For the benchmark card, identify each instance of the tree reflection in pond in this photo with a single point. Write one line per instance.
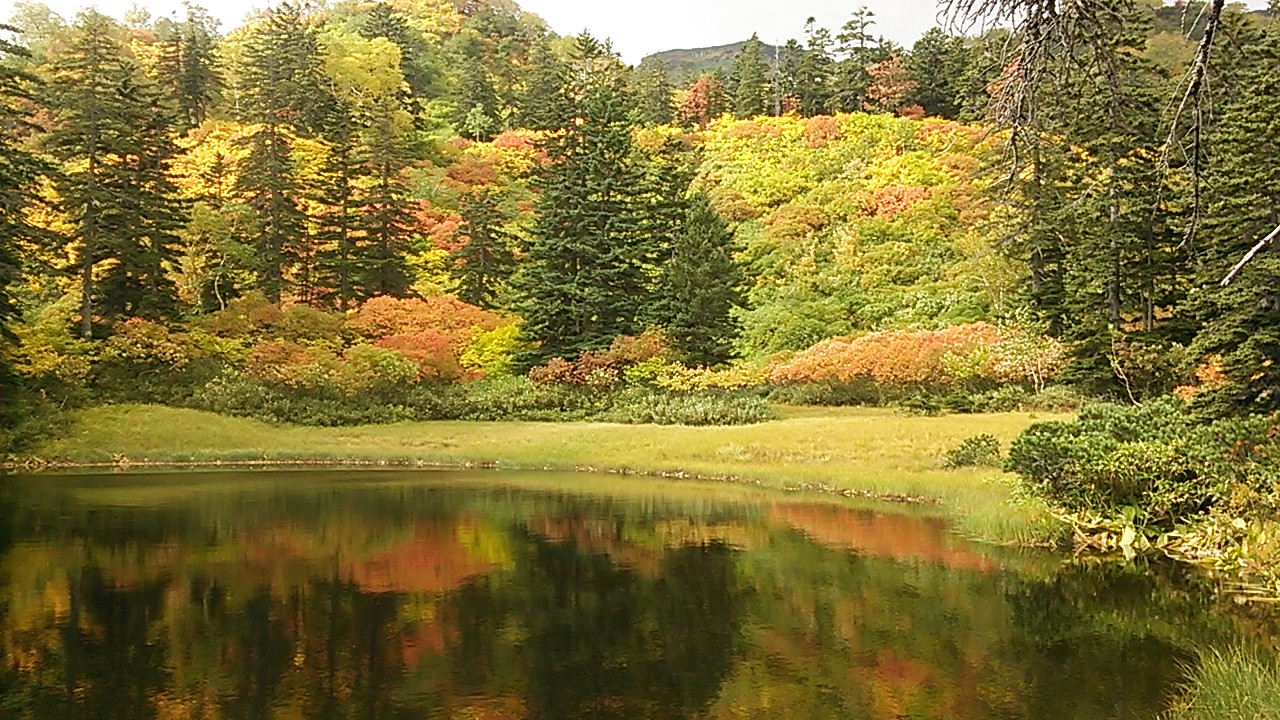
(444, 596)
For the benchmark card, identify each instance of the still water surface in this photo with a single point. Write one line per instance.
(484, 596)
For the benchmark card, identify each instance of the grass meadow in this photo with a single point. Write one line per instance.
(870, 452)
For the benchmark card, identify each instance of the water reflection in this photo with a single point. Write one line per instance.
(446, 596)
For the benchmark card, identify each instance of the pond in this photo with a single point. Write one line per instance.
(484, 595)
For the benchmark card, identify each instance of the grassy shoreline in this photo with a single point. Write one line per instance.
(850, 451)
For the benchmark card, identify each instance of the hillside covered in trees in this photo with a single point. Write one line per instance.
(354, 204)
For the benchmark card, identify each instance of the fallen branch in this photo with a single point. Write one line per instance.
(1249, 257)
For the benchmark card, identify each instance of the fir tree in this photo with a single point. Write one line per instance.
(285, 96)
(815, 82)
(699, 288)
(1241, 322)
(111, 134)
(584, 281)
(545, 102)
(749, 81)
(386, 150)
(485, 262)
(187, 68)
(656, 93)
(19, 172)
(937, 65)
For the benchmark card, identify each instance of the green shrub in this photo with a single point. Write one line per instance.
(1154, 462)
(647, 407)
(860, 392)
(974, 451)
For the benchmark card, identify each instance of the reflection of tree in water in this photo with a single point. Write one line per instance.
(458, 604)
(1124, 633)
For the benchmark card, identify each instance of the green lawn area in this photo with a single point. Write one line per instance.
(872, 451)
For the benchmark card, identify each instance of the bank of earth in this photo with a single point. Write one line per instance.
(866, 452)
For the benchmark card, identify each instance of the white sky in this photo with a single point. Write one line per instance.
(636, 28)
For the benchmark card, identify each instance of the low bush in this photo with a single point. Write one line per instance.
(648, 407)
(975, 451)
(1154, 463)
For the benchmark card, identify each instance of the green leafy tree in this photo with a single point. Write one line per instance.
(699, 288)
(111, 134)
(419, 60)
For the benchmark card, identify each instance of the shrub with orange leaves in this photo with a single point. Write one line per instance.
(896, 357)
(893, 199)
(431, 352)
(446, 315)
(821, 130)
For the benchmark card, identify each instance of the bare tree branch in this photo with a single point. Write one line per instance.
(1250, 256)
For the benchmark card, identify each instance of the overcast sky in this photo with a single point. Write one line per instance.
(636, 28)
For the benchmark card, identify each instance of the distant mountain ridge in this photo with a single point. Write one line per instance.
(686, 65)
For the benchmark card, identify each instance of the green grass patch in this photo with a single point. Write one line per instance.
(1231, 685)
(868, 451)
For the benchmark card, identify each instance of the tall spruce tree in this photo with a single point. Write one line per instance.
(386, 150)
(749, 80)
(700, 288)
(484, 264)
(284, 97)
(1241, 322)
(584, 279)
(936, 66)
(111, 134)
(19, 172)
(656, 93)
(188, 66)
(816, 72)
(544, 105)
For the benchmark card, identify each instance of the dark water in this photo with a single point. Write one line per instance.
(445, 595)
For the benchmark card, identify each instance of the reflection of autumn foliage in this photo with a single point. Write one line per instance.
(898, 537)
(434, 561)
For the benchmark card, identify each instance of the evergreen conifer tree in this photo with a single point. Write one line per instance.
(584, 279)
(19, 172)
(1241, 322)
(483, 265)
(285, 96)
(187, 69)
(545, 102)
(111, 133)
(700, 288)
(749, 81)
(656, 93)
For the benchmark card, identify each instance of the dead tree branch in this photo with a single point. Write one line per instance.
(1231, 276)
